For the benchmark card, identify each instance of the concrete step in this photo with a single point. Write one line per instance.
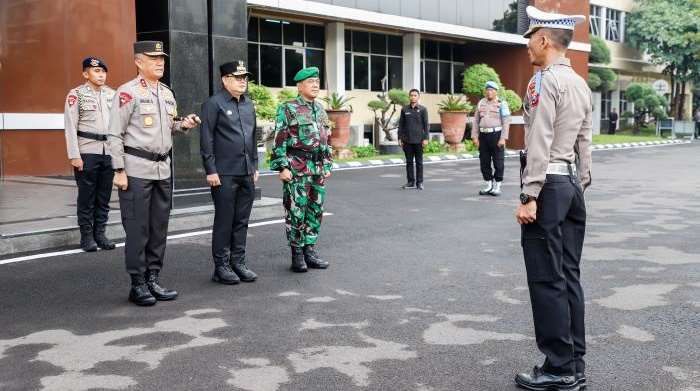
(38, 235)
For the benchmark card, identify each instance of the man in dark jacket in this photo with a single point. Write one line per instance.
(413, 136)
(230, 158)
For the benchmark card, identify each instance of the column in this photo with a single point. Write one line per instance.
(603, 21)
(335, 57)
(411, 61)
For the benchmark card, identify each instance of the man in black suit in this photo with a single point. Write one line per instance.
(229, 154)
(413, 136)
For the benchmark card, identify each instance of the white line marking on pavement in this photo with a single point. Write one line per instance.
(121, 244)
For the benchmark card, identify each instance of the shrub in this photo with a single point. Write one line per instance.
(364, 151)
(265, 103)
(475, 78)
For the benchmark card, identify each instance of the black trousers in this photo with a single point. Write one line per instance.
(94, 189)
(233, 202)
(611, 127)
(414, 152)
(145, 207)
(552, 247)
(489, 151)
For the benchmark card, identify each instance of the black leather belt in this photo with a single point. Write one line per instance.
(313, 156)
(92, 136)
(152, 156)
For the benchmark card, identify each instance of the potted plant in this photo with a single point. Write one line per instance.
(385, 119)
(453, 120)
(339, 113)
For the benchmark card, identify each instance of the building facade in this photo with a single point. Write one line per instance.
(608, 22)
(423, 44)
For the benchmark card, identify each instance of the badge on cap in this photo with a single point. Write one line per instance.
(94, 62)
(159, 46)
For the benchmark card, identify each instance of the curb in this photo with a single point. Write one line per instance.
(509, 153)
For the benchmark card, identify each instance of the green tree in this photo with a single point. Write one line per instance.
(646, 102)
(600, 54)
(265, 103)
(475, 77)
(515, 103)
(600, 78)
(509, 22)
(384, 108)
(669, 31)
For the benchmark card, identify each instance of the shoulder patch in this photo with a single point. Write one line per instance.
(124, 98)
(533, 90)
(71, 99)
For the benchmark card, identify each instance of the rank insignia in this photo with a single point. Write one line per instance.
(143, 83)
(124, 98)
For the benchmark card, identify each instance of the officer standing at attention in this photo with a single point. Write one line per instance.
(552, 212)
(229, 154)
(489, 134)
(141, 146)
(303, 158)
(413, 137)
(86, 117)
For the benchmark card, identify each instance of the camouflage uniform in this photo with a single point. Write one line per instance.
(301, 145)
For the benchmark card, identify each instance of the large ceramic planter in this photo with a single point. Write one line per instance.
(340, 135)
(453, 125)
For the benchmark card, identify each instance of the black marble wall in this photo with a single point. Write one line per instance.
(198, 35)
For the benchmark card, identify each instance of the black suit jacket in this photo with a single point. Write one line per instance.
(227, 137)
(413, 124)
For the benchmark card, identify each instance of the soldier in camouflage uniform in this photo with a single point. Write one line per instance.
(302, 155)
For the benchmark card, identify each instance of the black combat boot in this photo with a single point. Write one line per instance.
(139, 294)
(223, 273)
(101, 239)
(87, 242)
(298, 264)
(159, 292)
(313, 260)
(241, 269)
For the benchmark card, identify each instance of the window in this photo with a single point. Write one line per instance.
(594, 20)
(623, 103)
(605, 104)
(278, 49)
(612, 25)
(372, 57)
(442, 66)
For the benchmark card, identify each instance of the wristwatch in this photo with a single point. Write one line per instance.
(526, 198)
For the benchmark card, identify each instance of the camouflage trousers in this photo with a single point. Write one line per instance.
(303, 198)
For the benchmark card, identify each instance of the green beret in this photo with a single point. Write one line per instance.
(306, 73)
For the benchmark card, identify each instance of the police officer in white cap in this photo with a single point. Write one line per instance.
(490, 133)
(552, 211)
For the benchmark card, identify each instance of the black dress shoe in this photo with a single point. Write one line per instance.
(298, 264)
(87, 241)
(223, 274)
(420, 186)
(139, 293)
(101, 239)
(312, 259)
(580, 380)
(159, 292)
(241, 269)
(539, 380)
(408, 186)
